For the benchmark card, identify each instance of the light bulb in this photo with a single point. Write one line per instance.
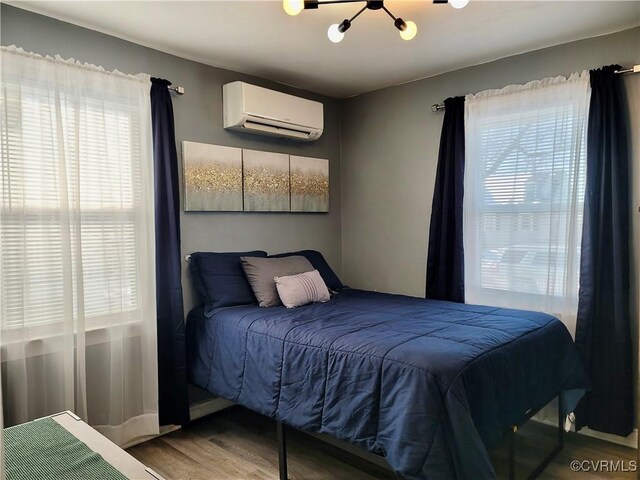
(409, 32)
(458, 3)
(334, 33)
(293, 7)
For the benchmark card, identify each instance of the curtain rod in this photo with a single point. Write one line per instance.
(178, 89)
(439, 107)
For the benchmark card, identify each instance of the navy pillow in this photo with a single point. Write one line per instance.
(220, 280)
(319, 263)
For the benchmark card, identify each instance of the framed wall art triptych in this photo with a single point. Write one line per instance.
(309, 184)
(230, 179)
(266, 181)
(212, 178)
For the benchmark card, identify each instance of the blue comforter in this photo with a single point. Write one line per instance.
(429, 385)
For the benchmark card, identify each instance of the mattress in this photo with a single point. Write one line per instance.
(429, 385)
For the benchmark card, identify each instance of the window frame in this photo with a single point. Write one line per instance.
(116, 106)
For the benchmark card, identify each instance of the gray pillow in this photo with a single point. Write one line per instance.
(302, 289)
(260, 273)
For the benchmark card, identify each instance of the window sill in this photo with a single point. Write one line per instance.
(16, 345)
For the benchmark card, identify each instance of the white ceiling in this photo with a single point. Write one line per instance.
(257, 37)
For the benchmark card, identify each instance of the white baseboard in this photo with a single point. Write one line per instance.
(206, 407)
(629, 441)
(163, 431)
(197, 410)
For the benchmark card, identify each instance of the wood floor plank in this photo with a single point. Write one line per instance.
(237, 444)
(169, 462)
(220, 462)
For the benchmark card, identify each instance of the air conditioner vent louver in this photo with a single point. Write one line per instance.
(261, 111)
(270, 130)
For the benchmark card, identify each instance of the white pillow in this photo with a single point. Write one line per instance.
(302, 289)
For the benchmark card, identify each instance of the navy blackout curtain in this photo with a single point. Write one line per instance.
(603, 332)
(445, 259)
(172, 371)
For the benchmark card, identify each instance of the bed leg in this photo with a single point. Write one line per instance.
(512, 452)
(282, 451)
(560, 423)
(549, 458)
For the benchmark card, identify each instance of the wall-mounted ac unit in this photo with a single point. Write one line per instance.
(252, 109)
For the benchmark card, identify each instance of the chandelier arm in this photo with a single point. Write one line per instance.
(330, 2)
(357, 14)
(389, 13)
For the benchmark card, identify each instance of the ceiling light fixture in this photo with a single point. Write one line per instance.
(293, 7)
(408, 30)
(458, 3)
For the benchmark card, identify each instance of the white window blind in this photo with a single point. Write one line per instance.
(77, 246)
(524, 192)
(71, 203)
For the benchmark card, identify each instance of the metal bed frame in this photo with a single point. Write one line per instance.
(282, 447)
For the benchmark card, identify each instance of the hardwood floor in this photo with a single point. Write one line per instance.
(237, 444)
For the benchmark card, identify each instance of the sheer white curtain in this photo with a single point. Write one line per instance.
(77, 272)
(525, 175)
(524, 191)
(2, 476)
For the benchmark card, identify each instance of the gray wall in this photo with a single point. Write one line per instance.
(390, 142)
(389, 138)
(198, 117)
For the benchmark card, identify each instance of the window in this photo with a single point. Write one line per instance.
(77, 252)
(524, 194)
(73, 207)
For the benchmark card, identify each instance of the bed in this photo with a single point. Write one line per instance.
(429, 385)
